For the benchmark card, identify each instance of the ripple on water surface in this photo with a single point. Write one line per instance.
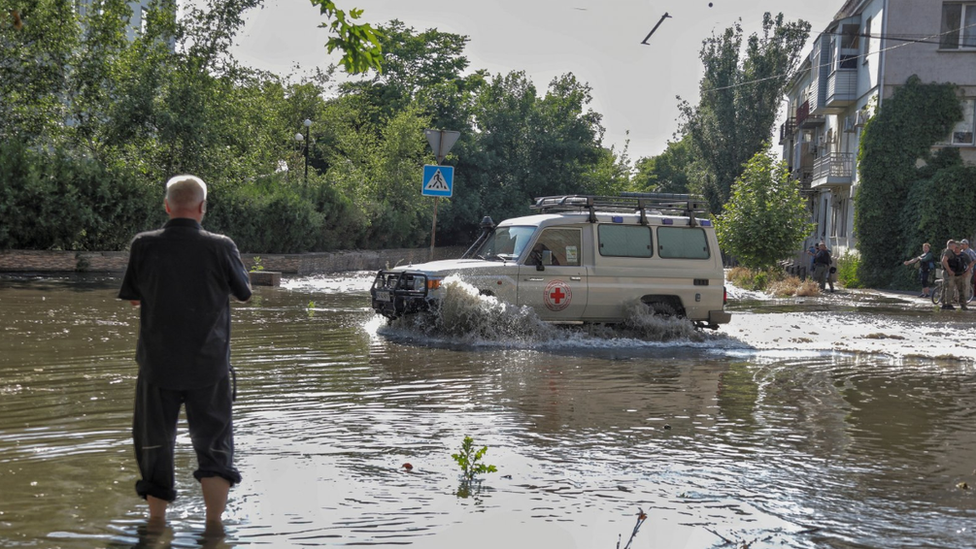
(788, 444)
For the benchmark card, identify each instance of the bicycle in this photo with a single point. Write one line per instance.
(937, 288)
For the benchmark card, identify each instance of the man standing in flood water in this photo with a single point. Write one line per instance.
(182, 277)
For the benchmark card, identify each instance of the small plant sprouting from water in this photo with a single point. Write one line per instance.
(257, 264)
(310, 308)
(469, 460)
(641, 517)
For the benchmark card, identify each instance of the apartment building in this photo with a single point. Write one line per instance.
(869, 49)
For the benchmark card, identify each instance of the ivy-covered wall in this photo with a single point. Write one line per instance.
(901, 202)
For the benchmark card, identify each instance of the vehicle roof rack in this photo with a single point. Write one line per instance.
(685, 205)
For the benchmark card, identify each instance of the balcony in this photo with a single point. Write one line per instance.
(804, 177)
(842, 85)
(833, 169)
(786, 130)
(806, 120)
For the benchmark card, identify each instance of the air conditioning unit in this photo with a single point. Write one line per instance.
(849, 124)
(812, 147)
(861, 119)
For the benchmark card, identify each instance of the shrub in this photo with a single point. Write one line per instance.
(56, 200)
(848, 266)
(755, 280)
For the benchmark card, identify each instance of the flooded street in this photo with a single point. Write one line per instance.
(846, 421)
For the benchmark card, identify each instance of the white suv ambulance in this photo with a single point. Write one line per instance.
(582, 259)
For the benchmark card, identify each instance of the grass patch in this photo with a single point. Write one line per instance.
(773, 282)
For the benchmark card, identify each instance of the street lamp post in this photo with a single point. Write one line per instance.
(300, 137)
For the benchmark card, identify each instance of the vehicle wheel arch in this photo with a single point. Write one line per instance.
(664, 305)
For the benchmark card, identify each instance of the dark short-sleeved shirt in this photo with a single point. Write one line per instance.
(184, 277)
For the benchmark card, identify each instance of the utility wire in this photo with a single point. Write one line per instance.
(909, 42)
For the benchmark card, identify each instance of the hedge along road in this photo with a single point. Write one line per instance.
(835, 421)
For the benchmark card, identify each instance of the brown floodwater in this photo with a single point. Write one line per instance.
(720, 438)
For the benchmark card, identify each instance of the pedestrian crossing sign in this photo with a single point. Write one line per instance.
(438, 181)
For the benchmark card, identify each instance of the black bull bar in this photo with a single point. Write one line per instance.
(396, 293)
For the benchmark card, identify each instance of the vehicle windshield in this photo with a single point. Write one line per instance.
(505, 243)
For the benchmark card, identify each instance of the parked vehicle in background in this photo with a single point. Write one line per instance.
(582, 259)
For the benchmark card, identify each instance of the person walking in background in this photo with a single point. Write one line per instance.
(953, 279)
(182, 278)
(971, 256)
(925, 262)
(822, 266)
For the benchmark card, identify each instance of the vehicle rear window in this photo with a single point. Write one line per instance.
(625, 241)
(682, 243)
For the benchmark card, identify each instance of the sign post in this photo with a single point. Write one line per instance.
(440, 181)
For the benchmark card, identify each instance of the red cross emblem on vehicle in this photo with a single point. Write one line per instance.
(558, 295)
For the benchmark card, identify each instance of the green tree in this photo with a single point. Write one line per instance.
(740, 93)
(764, 221)
(669, 172)
(894, 140)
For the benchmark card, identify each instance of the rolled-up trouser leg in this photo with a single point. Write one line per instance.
(209, 414)
(154, 435)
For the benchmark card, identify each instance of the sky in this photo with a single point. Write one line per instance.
(634, 86)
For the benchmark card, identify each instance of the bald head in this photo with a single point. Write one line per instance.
(186, 196)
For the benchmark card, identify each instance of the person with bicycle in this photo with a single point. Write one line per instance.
(926, 263)
(956, 268)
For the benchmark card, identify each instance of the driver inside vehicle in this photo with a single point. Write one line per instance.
(541, 255)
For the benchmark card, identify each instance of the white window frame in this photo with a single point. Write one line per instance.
(965, 35)
(966, 128)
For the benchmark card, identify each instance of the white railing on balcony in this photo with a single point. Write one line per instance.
(834, 165)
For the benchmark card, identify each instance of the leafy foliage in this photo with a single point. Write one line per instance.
(899, 203)
(360, 43)
(94, 122)
(764, 221)
(740, 92)
(668, 172)
(469, 460)
(57, 201)
(847, 267)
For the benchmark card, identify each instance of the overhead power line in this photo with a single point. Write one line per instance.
(908, 42)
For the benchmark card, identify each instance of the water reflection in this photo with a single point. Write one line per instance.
(781, 439)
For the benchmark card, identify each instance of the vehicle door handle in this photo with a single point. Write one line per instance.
(535, 279)
(577, 278)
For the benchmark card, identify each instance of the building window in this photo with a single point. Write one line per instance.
(958, 26)
(850, 46)
(867, 39)
(962, 132)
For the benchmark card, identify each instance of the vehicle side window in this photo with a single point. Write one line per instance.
(625, 241)
(682, 243)
(563, 244)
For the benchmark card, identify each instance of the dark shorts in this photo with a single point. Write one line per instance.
(208, 414)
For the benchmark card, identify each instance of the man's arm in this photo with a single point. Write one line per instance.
(240, 282)
(945, 264)
(130, 288)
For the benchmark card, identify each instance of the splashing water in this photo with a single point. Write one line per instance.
(467, 315)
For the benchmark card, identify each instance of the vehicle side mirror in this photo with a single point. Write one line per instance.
(536, 258)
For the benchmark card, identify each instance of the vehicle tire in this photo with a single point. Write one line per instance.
(662, 309)
(937, 292)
